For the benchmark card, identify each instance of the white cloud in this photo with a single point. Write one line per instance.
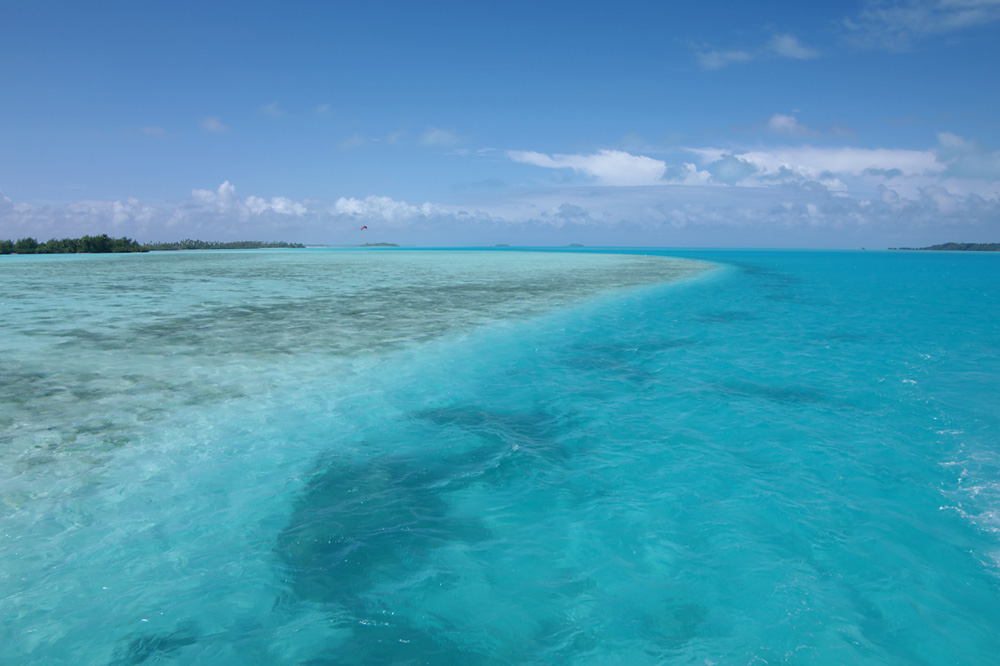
(686, 173)
(222, 200)
(967, 159)
(789, 47)
(131, 210)
(899, 24)
(157, 132)
(608, 167)
(962, 167)
(942, 198)
(213, 124)
(279, 205)
(731, 170)
(742, 196)
(812, 162)
(779, 123)
(383, 209)
(802, 214)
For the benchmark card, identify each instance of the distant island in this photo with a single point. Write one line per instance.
(84, 245)
(104, 244)
(379, 245)
(188, 244)
(957, 247)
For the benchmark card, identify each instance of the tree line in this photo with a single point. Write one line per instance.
(957, 247)
(83, 245)
(105, 244)
(188, 244)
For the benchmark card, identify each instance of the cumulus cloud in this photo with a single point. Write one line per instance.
(731, 169)
(779, 123)
(899, 24)
(792, 214)
(834, 187)
(845, 171)
(383, 209)
(813, 162)
(686, 173)
(806, 214)
(222, 214)
(213, 124)
(967, 159)
(131, 211)
(754, 196)
(608, 167)
(222, 200)
(279, 205)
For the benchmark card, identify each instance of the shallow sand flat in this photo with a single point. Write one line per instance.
(290, 302)
(98, 345)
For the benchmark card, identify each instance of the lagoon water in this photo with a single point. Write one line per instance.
(497, 457)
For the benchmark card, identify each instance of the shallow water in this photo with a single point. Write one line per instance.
(340, 457)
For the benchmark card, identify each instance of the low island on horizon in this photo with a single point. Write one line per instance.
(104, 244)
(956, 247)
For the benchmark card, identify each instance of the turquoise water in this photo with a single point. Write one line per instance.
(359, 457)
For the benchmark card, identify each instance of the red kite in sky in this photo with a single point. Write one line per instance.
(364, 227)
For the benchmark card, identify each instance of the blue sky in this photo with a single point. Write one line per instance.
(712, 124)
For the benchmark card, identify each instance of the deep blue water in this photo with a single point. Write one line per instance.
(342, 457)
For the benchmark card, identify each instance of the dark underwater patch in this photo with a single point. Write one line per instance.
(361, 522)
(781, 394)
(154, 646)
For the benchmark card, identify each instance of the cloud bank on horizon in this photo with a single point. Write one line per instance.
(814, 135)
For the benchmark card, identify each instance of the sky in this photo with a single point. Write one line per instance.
(872, 124)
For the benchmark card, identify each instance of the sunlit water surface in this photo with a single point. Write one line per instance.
(464, 457)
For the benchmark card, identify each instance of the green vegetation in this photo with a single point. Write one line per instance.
(104, 244)
(84, 245)
(957, 247)
(188, 244)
